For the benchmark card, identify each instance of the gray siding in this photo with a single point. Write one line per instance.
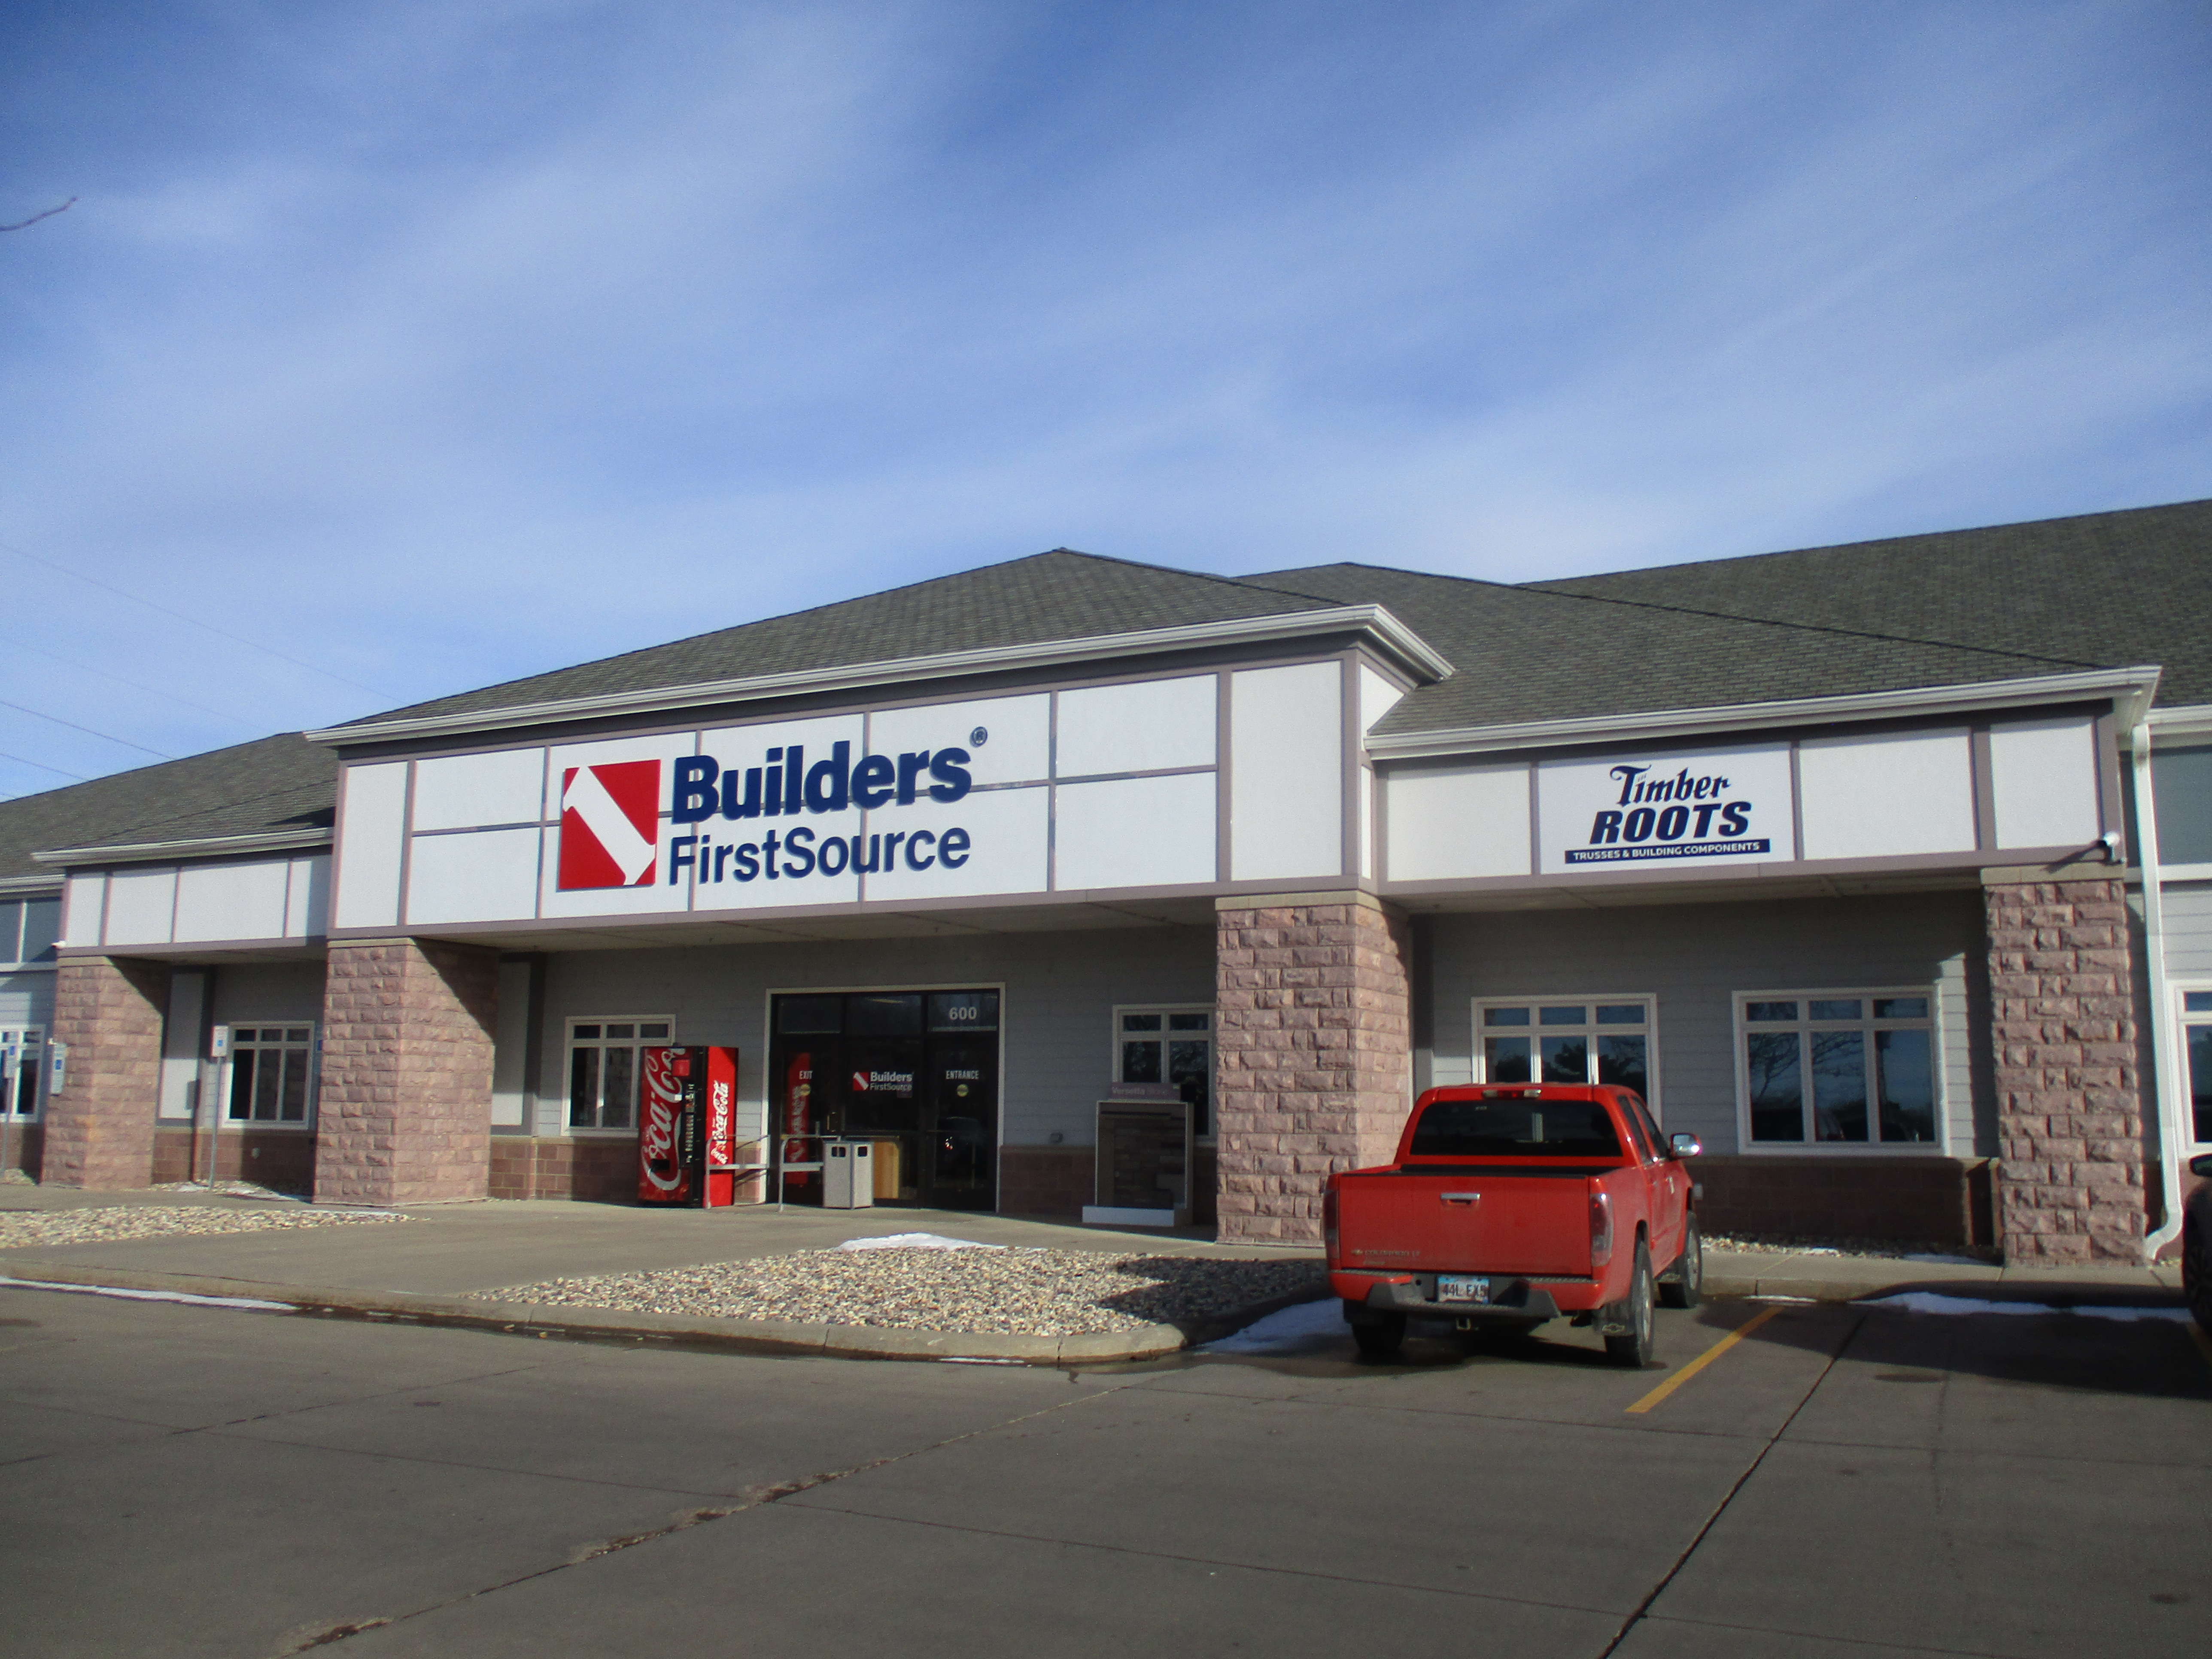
(1054, 1020)
(27, 998)
(2188, 912)
(1693, 958)
(247, 992)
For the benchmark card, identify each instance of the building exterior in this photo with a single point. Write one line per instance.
(1886, 869)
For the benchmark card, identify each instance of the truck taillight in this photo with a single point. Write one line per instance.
(1601, 1229)
(1328, 1224)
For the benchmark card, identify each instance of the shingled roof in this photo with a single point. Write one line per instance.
(273, 786)
(2110, 591)
(1060, 595)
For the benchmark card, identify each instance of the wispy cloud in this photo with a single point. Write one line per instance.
(448, 342)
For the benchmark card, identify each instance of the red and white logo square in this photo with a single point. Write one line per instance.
(609, 824)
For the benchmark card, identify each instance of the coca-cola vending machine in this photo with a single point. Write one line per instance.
(687, 1127)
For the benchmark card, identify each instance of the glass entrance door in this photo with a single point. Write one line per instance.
(916, 1071)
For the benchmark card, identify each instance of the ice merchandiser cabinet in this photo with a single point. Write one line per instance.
(687, 1127)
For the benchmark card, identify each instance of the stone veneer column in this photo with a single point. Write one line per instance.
(99, 1129)
(2069, 1101)
(404, 1114)
(1313, 1053)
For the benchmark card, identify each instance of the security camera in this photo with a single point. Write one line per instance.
(2110, 840)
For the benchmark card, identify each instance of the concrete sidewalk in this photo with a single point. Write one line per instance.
(425, 1268)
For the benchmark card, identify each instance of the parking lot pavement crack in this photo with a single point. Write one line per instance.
(750, 1497)
(1643, 1607)
(1230, 1561)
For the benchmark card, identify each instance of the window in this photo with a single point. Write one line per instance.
(602, 1069)
(1170, 1046)
(272, 1073)
(2196, 1028)
(20, 1101)
(1838, 1068)
(29, 928)
(1602, 1040)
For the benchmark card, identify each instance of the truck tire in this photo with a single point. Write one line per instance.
(2196, 1270)
(1380, 1337)
(1686, 1281)
(1632, 1347)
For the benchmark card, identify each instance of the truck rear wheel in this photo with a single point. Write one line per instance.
(1380, 1337)
(1687, 1281)
(1632, 1347)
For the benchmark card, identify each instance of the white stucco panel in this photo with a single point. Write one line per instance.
(464, 791)
(1886, 796)
(231, 901)
(1135, 832)
(307, 898)
(373, 805)
(485, 875)
(1286, 784)
(2043, 777)
(1457, 822)
(82, 898)
(1016, 744)
(140, 905)
(1006, 851)
(1146, 726)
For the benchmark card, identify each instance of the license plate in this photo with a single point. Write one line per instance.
(1461, 1287)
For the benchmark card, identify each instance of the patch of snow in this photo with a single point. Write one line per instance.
(189, 1300)
(1932, 1301)
(1950, 1260)
(1297, 1329)
(917, 1241)
(964, 1359)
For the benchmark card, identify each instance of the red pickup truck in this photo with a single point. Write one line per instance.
(1515, 1204)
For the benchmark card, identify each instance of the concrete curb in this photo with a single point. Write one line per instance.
(753, 1336)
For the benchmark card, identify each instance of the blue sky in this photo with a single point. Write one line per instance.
(403, 348)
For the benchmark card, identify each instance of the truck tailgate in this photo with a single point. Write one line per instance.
(1485, 1220)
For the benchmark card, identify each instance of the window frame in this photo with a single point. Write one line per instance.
(1115, 1038)
(312, 1048)
(1868, 994)
(30, 1062)
(569, 1043)
(1653, 1094)
(2181, 989)
(12, 959)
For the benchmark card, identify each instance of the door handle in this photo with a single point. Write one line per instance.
(1460, 1198)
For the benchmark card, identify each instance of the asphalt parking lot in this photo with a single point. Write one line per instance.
(1839, 1479)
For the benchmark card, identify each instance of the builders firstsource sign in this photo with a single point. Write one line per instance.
(611, 817)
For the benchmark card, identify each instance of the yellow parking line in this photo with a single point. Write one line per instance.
(1703, 1361)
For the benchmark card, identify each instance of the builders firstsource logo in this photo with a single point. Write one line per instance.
(609, 824)
(611, 817)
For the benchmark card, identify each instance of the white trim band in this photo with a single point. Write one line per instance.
(163, 852)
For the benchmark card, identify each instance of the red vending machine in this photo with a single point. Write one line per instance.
(687, 1127)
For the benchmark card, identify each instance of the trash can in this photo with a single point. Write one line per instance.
(848, 1175)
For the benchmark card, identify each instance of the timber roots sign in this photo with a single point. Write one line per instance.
(611, 817)
(1610, 813)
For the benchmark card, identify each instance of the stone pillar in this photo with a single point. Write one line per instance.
(1313, 1053)
(2069, 1101)
(99, 1129)
(404, 1114)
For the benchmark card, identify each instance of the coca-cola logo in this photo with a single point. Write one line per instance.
(663, 1094)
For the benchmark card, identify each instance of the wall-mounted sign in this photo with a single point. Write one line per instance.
(1665, 808)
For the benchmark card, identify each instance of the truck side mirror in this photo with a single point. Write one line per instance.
(2202, 1165)
(1684, 1146)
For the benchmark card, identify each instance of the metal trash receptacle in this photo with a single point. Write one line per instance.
(848, 1175)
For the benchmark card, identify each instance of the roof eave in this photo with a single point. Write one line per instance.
(2131, 690)
(208, 847)
(1396, 641)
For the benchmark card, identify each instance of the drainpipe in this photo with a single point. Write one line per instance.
(2173, 1135)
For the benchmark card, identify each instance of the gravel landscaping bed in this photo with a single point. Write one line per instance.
(1020, 1292)
(1885, 1249)
(160, 1221)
